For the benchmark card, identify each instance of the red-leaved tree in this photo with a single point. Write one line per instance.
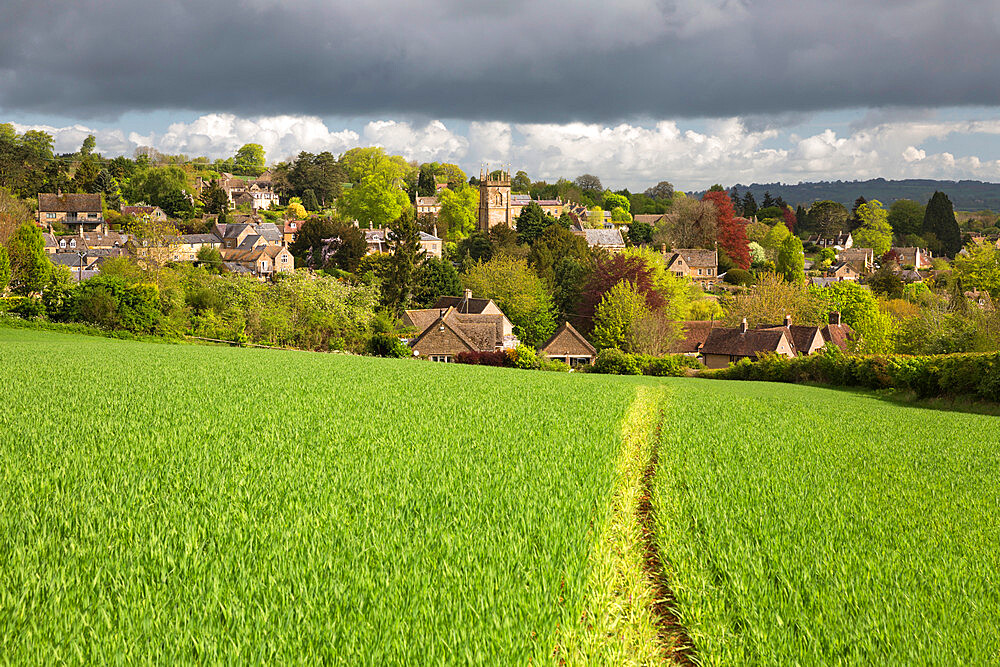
(790, 220)
(608, 272)
(731, 235)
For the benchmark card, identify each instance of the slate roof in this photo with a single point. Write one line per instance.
(69, 203)
(609, 238)
(234, 267)
(424, 236)
(270, 232)
(233, 230)
(193, 239)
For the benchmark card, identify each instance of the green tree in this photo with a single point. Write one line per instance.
(29, 267)
(88, 145)
(519, 293)
(459, 208)
(640, 233)
(979, 269)
(875, 231)
(775, 237)
(426, 183)
(621, 309)
(874, 328)
(555, 243)
(4, 269)
(662, 191)
(404, 245)
(939, 220)
(378, 199)
(791, 260)
(214, 198)
(210, 258)
(249, 160)
(309, 201)
(828, 217)
(906, 217)
(613, 201)
(520, 183)
(435, 277)
(589, 184)
(532, 222)
(347, 247)
(308, 244)
(571, 275)
(619, 214)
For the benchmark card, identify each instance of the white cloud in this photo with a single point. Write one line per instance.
(432, 143)
(722, 151)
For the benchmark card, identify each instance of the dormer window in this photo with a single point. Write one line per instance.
(62, 243)
(72, 243)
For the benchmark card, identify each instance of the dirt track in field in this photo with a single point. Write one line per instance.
(677, 645)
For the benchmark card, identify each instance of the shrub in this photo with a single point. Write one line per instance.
(523, 357)
(29, 308)
(612, 361)
(483, 358)
(387, 345)
(739, 277)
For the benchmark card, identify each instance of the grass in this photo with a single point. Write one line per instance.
(185, 503)
(809, 526)
(215, 504)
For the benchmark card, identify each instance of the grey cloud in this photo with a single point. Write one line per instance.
(517, 61)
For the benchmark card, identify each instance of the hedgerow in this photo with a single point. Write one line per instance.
(976, 375)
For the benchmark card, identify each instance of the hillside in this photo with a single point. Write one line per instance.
(964, 195)
(229, 505)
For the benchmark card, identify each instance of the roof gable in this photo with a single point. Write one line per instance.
(568, 341)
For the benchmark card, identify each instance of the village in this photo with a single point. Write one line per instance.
(253, 232)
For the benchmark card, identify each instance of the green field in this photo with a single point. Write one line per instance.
(216, 504)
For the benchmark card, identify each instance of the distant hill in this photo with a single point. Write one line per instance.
(964, 195)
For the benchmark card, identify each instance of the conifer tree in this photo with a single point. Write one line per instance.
(939, 220)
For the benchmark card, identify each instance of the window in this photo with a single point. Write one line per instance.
(50, 216)
(699, 272)
(72, 243)
(62, 243)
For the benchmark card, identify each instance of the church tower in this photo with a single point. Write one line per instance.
(494, 199)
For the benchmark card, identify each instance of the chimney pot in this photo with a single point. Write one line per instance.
(743, 325)
(468, 294)
(788, 320)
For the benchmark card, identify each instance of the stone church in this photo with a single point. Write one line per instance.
(494, 200)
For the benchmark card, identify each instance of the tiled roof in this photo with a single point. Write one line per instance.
(69, 203)
(695, 333)
(192, 239)
(735, 343)
(568, 341)
(474, 306)
(698, 257)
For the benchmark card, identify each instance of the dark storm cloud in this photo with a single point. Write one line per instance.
(517, 61)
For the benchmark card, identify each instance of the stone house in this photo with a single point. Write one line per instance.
(452, 332)
(262, 261)
(78, 212)
(725, 346)
(569, 346)
(862, 260)
(842, 240)
(145, 212)
(428, 206)
(917, 258)
(701, 266)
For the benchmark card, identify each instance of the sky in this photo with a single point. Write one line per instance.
(635, 91)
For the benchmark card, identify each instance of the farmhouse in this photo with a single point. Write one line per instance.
(452, 333)
(79, 212)
(569, 346)
(725, 346)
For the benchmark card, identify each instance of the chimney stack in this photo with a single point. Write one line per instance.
(467, 294)
(663, 248)
(743, 326)
(788, 320)
(835, 317)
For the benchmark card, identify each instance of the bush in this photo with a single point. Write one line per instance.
(387, 345)
(612, 361)
(739, 277)
(976, 375)
(29, 308)
(524, 357)
(113, 302)
(483, 358)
